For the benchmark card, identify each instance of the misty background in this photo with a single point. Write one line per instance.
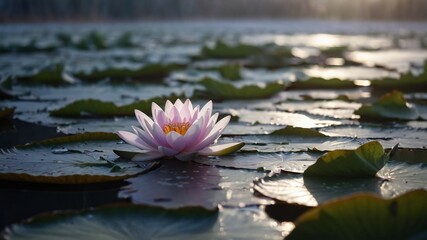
(124, 10)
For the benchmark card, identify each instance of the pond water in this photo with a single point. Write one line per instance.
(64, 79)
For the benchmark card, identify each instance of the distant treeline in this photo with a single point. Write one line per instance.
(100, 10)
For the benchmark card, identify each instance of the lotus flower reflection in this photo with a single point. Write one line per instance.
(181, 131)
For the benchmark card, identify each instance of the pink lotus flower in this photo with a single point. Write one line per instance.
(179, 131)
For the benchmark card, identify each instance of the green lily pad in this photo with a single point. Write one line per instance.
(389, 107)
(172, 184)
(321, 83)
(365, 161)
(129, 222)
(230, 71)
(147, 72)
(96, 108)
(334, 51)
(94, 40)
(52, 75)
(217, 90)
(366, 217)
(407, 81)
(298, 131)
(76, 159)
(30, 47)
(394, 179)
(223, 50)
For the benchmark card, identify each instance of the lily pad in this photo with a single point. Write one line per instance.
(389, 107)
(147, 72)
(366, 216)
(223, 50)
(407, 81)
(96, 108)
(75, 159)
(394, 179)
(284, 118)
(365, 161)
(217, 90)
(288, 161)
(118, 222)
(52, 75)
(321, 83)
(131, 222)
(297, 131)
(230, 71)
(171, 185)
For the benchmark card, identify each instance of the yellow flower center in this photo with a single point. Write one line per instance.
(180, 128)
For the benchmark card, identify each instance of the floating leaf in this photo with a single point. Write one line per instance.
(321, 83)
(274, 57)
(366, 217)
(284, 118)
(130, 222)
(288, 161)
(222, 50)
(94, 40)
(30, 47)
(334, 51)
(75, 159)
(394, 179)
(297, 131)
(125, 40)
(390, 106)
(365, 161)
(217, 90)
(230, 71)
(96, 108)
(407, 81)
(52, 75)
(172, 184)
(152, 72)
(118, 222)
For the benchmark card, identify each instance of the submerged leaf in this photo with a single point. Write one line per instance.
(365, 161)
(217, 90)
(390, 106)
(366, 217)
